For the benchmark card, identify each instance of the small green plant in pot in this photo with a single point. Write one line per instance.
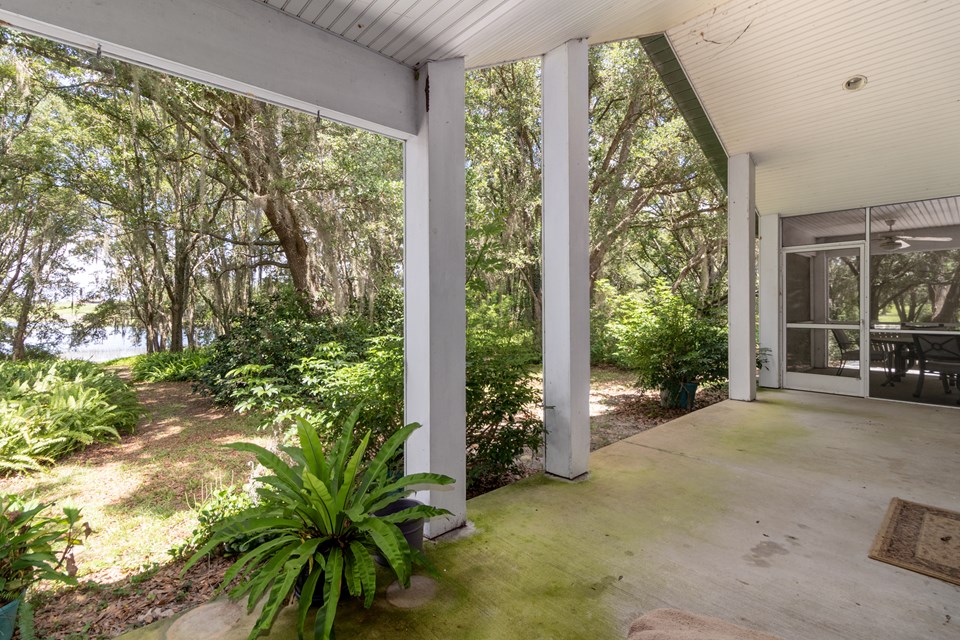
(315, 515)
(33, 547)
(669, 345)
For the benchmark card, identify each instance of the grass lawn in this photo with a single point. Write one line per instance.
(137, 495)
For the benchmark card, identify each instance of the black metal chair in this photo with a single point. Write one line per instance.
(850, 351)
(940, 355)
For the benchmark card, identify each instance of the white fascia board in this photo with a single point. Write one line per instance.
(242, 46)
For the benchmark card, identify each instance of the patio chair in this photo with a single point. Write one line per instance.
(893, 356)
(850, 351)
(937, 354)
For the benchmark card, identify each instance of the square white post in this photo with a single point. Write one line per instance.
(434, 290)
(566, 257)
(770, 299)
(741, 302)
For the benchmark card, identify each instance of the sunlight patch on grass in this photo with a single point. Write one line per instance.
(612, 375)
(138, 495)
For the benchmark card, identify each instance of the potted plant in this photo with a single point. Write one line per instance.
(33, 547)
(316, 515)
(670, 345)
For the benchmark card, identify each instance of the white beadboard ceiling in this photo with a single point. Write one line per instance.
(770, 73)
(485, 32)
(937, 217)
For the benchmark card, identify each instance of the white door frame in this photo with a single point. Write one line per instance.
(840, 385)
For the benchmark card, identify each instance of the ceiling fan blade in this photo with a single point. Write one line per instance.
(922, 239)
(890, 244)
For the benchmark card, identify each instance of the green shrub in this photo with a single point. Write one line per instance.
(666, 342)
(501, 398)
(317, 518)
(222, 503)
(35, 546)
(276, 333)
(324, 384)
(374, 383)
(284, 363)
(164, 366)
(48, 409)
(325, 388)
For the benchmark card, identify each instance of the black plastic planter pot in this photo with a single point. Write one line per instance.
(412, 530)
(317, 600)
(678, 396)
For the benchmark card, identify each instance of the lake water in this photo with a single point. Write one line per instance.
(119, 343)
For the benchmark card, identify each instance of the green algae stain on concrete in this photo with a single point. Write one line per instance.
(766, 430)
(557, 560)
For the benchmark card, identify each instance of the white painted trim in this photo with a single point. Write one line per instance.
(237, 45)
(823, 325)
(435, 291)
(741, 300)
(769, 299)
(824, 383)
(826, 246)
(566, 260)
(865, 297)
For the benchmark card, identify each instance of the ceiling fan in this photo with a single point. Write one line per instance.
(891, 241)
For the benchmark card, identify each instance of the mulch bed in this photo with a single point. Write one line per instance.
(618, 411)
(95, 610)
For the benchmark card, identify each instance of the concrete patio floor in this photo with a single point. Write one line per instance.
(760, 513)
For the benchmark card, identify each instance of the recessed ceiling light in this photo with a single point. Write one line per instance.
(855, 83)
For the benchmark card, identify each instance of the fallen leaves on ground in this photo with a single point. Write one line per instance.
(94, 610)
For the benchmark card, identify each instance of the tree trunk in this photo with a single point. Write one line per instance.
(176, 327)
(26, 306)
(948, 300)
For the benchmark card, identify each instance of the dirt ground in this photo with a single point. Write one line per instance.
(164, 463)
(619, 410)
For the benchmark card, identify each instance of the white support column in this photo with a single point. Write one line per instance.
(770, 299)
(566, 260)
(741, 302)
(434, 290)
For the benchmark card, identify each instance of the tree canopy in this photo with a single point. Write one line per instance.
(194, 202)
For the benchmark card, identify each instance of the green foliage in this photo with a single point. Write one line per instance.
(48, 409)
(316, 515)
(277, 333)
(375, 383)
(324, 385)
(165, 366)
(503, 181)
(35, 546)
(666, 342)
(222, 503)
(501, 398)
(606, 304)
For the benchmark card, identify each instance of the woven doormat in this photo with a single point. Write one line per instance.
(920, 538)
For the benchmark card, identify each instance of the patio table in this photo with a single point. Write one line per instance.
(899, 346)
